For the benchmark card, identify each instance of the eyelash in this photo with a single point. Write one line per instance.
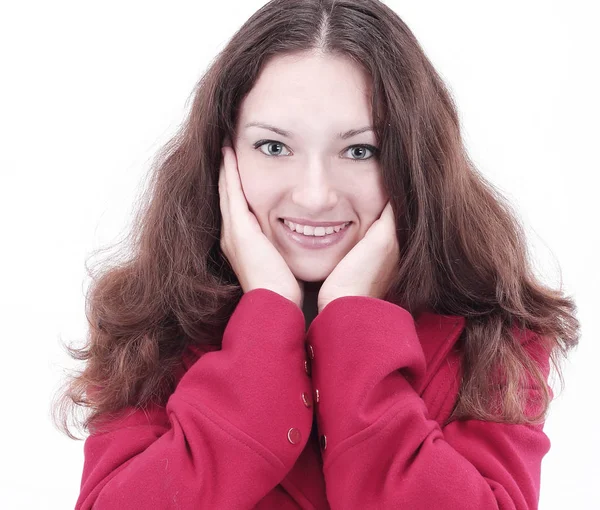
(373, 149)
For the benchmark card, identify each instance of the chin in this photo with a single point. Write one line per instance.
(311, 273)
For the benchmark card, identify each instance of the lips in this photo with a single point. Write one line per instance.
(309, 223)
(313, 242)
(309, 230)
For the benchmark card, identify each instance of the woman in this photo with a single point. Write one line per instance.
(326, 305)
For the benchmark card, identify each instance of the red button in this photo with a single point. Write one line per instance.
(294, 435)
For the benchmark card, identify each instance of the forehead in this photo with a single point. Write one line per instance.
(309, 85)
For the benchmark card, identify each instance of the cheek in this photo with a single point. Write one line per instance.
(372, 199)
(257, 186)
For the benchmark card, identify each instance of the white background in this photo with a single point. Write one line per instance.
(90, 91)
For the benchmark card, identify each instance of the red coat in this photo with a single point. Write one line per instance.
(236, 433)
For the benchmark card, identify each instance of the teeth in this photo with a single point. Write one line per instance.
(314, 231)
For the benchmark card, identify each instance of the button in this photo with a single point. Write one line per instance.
(317, 396)
(324, 442)
(311, 352)
(306, 399)
(307, 367)
(294, 435)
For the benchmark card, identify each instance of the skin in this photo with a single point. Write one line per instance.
(312, 173)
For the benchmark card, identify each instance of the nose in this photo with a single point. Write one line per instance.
(314, 191)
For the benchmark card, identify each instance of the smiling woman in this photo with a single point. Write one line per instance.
(327, 305)
(325, 171)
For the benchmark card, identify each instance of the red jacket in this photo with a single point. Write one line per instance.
(244, 429)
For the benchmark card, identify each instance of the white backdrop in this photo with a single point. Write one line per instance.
(90, 91)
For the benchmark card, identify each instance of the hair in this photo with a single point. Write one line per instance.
(462, 250)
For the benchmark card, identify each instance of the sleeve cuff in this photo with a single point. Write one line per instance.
(365, 351)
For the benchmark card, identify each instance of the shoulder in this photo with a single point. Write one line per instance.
(191, 354)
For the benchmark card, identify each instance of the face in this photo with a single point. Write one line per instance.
(310, 172)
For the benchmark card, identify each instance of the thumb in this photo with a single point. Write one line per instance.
(301, 286)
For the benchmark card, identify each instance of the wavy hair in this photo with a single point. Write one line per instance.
(463, 251)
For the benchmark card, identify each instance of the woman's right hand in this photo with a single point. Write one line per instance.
(254, 259)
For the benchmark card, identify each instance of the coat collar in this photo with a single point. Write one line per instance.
(437, 334)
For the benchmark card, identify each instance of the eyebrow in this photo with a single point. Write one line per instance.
(288, 134)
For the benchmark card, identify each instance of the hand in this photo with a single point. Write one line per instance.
(367, 269)
(253, 258)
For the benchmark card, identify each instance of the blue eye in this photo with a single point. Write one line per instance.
(270, 143)
(362, 148)
(280, 147)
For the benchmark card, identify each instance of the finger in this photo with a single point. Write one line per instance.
(384, 217)
(391, 221)
(223, 197)
(385, 227)
(238, 206)
(388, 216)
(222, 183)
(387, 210)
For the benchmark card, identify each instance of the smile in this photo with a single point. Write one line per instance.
(308, 230)
(319, 239)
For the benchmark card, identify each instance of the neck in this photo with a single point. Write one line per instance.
(309, 306)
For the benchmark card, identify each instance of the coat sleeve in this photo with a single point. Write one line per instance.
(223, 439)
(382, 450)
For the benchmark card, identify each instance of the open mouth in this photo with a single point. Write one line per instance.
(313, 241)
(316, 231)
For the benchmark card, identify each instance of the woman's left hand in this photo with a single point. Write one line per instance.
(366, 270)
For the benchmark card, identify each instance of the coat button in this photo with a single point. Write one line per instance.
(307, 367)
(306, 399)
(311, 351)
(317, 396)
(294, 435)
(324, 442)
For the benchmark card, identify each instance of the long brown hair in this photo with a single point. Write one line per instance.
(463, 252)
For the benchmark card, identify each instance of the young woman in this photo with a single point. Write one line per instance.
(326, 305)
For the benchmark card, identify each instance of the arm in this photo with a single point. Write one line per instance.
(222, 439)
(382, 449)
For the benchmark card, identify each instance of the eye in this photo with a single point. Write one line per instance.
(277, 147)
(361, 150)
